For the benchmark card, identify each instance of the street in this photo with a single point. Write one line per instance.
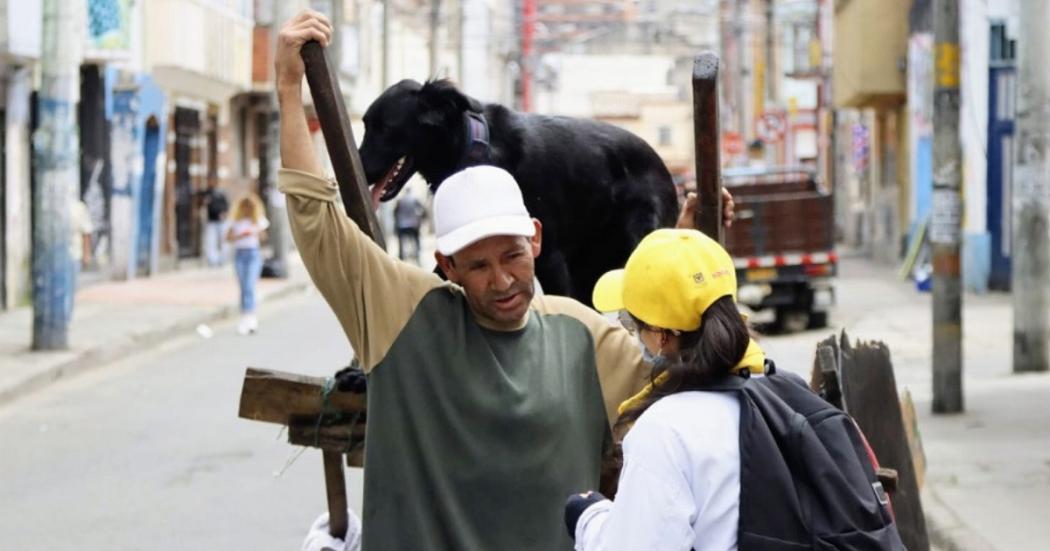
(148, 453)
(898, 148)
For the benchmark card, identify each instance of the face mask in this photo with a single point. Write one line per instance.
(655, 360)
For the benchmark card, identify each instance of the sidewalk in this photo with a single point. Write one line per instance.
(988, 469)
(116, 318)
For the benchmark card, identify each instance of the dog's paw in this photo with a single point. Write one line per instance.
(351, 378)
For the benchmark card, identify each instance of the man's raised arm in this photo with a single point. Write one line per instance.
(372, 294)
(297, 151)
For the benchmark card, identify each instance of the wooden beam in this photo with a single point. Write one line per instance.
(315, 420)
(287, 398)
(869, 391)
(339, 138)
(824, 379)
(335, 486)
(278, 397)
(706, 132)
(911, 430)
(336, 432)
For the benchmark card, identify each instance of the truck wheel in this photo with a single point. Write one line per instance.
(818, 320)
(792, 321)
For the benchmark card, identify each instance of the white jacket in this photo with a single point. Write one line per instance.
(680, 483)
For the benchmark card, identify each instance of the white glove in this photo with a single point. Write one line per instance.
(320, 540)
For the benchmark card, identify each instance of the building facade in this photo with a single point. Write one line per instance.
(177, 95)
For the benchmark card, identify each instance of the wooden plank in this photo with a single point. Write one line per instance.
(340, 437)
(335, 484)
(346, 162)
(911, 429)
(339, 138)
(869, 391)
(277, 397)
(824, 378)
(706, 132)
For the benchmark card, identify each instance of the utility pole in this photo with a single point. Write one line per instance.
(741, 67)
(269, 137)
(825, 103)
(55, 152)
(385, 46)
(1031, 224)
(947, 212)
(335, 47)
(771, 53)
(435, 29)
(528, 30)
(461, 21)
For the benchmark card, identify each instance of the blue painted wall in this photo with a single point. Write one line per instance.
(134, 99)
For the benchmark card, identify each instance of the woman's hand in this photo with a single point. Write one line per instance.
(576, 505)
(687, 216)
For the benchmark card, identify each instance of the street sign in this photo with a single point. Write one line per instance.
(771, 127)
(732, 143)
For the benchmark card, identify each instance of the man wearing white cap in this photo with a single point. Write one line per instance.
(487, 405)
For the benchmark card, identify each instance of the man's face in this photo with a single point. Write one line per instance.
(496, 274)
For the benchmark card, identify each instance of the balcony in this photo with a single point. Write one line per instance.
(199, 47)
(871, 46)
(20, 29)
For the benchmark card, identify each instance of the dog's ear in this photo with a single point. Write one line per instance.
(441, 101)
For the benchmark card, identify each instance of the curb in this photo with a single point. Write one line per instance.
(91, 358)
(946, 530)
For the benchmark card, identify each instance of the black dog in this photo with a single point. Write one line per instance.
(597, 189)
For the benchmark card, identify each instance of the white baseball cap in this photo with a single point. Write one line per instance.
(475, 203)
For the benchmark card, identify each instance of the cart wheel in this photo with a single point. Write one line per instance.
(792, 321)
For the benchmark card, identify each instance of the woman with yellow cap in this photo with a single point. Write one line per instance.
(680, 484)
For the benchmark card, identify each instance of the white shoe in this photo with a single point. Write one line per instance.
(244, 327)
(253, 323)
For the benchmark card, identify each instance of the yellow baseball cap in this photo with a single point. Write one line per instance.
(670, 280)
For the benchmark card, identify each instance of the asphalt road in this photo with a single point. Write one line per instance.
(148, 453)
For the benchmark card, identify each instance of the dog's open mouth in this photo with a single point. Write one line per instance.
(390, 184)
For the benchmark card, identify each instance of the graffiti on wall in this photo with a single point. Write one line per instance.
(109, 29)
(95, 200)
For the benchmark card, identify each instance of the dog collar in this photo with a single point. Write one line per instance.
(477, 149)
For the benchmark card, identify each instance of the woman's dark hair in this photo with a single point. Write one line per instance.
(704, 356)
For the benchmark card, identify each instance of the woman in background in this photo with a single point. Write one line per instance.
(248, 227)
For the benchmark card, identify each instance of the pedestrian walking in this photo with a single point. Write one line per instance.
(81, 228)
(711, 456)
(216, 206)
(408, 218)
(246, 231)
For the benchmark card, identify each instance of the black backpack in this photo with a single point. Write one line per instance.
(217, 205)
(806, 480)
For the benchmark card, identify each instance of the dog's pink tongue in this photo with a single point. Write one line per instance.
(380, 186)
(377, 192)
